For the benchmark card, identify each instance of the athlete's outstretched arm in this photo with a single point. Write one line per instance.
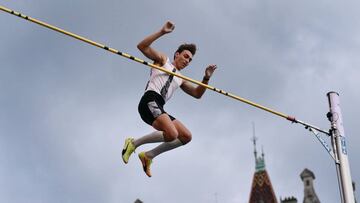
(198, 91)
(145, 45)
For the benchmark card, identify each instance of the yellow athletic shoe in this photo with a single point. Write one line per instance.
(146, 162)
(128, 149)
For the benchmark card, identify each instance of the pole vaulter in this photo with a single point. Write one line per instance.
(339, 153)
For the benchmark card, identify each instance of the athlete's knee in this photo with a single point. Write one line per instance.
(185, 137)
(170, 135)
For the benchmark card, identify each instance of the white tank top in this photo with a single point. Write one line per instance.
(163, 83)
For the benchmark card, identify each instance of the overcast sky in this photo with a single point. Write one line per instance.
(66, 107)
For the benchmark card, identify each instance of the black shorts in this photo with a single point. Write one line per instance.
(151, 106)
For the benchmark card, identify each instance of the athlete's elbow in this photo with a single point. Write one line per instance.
(140, 46)
(199, 93)
(198, 96)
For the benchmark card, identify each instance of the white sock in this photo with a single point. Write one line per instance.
(157, 136)
(166, 146)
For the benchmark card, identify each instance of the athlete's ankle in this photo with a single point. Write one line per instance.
(149, 155)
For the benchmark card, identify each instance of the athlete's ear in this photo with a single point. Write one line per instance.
(176, 54)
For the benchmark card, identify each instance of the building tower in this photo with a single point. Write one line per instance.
(308, 177)
(261, 188)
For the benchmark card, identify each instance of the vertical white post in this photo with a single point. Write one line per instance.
(340, 148)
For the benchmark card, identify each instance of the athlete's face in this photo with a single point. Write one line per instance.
(182, 59)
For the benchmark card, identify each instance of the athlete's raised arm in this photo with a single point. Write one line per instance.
(145, 45)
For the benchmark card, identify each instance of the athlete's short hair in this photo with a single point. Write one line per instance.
(190, 47)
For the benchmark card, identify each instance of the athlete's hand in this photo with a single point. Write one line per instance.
(210, 70)
(168, 27)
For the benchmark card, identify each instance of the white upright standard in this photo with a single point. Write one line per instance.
(340, 149)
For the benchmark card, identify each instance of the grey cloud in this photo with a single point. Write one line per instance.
(66, 107)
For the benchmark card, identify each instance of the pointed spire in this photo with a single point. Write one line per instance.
(254, 138)
(259, 161)
(261, 188)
